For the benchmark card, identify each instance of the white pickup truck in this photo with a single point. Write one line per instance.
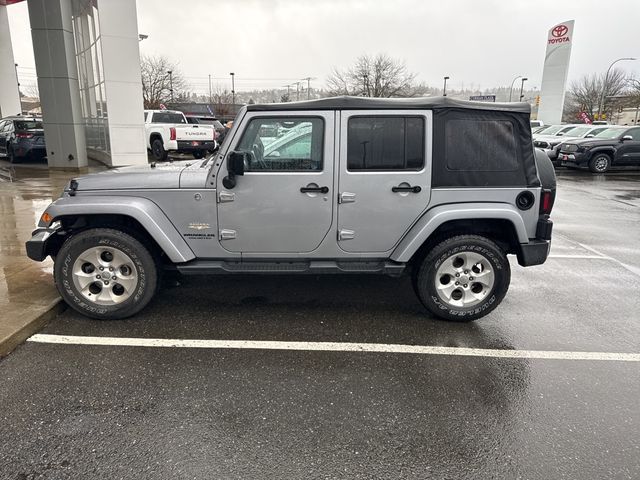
(168, 131)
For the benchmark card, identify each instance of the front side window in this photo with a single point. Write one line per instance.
(288, 144)
(385, 143)
(635, 134)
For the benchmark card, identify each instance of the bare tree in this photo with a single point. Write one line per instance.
(585, 94)
(157, 82)
(379, 76)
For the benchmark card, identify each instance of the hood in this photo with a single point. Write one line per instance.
(161, 175)
(592, 142)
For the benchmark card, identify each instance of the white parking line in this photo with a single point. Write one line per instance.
(591, 257)
(333, 347)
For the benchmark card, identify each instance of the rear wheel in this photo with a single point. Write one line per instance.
(105, 274)
(462, 278)
(157, 148)
(600, 163)
(197, 154)
(11, 156)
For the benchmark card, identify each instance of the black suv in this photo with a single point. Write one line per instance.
(613, 147)
(22, 137)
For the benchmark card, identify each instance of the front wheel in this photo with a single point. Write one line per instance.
(600, 163)
(462, 278)
(105, 274)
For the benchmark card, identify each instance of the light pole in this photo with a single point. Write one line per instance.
(511, 89)
(606, 80)
(170, 72)
(524, 79)
(444, 88)
(233, 91)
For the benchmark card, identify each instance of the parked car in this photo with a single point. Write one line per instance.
(535, 124)
(615, 146)
(168, 131)
(354, 185)
(556, 130)
(206, 120)
(551, 143)
(22, 137)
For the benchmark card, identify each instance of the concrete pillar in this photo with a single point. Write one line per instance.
(9, 95)
(123, 81)
(54, 51)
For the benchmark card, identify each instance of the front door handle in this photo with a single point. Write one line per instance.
(314, 189)
(416, 189)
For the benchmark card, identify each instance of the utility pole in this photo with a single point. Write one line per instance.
(233, 91)
(308, 80)
(444, 87)
(170, 83)
(298, 91)
(210, 97)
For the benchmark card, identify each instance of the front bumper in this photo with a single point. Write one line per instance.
(576, 159)
(537, 250)
(39, 246)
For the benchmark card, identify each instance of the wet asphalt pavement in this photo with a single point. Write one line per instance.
(79, 411)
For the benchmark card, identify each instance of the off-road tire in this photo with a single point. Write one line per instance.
(600, 163)
(158, 151)
(143, 261)
(424, 277)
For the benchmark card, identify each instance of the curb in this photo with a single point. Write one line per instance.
(15, 338)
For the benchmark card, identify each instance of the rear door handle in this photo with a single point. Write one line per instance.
(416, 189)
(314, 189)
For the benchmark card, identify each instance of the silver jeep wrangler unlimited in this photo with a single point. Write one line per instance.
(438, 188)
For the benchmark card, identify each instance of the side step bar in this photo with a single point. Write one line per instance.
(212, 267)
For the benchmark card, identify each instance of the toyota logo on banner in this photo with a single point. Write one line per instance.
(560, 31)
(559, 34)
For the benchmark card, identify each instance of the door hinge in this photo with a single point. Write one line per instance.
(346, 197)
(227, 234)
(225, 197)
(346, 234)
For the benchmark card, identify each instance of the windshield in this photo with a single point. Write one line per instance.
(541, 129)
(578, 131)
(552, 129)
(609, 133)
(168, 117)
(28, 125)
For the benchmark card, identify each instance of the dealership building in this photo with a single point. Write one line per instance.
(88, 66)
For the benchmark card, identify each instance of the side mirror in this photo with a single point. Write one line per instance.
(627, 137)
(235, 166)
(590, 135)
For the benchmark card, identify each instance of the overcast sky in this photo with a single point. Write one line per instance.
(269, 43)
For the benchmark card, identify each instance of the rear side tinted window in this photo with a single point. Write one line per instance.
(161, 117)
(480, 145)
(385, 143)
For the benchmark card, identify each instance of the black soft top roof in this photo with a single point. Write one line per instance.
(364, 103)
